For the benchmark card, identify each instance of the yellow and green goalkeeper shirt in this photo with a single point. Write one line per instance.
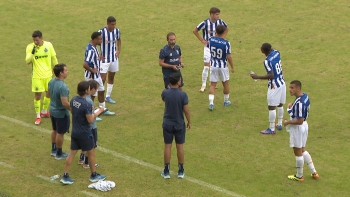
(43, 59)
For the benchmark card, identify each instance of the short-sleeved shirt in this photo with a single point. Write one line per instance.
(89, 100)
(219, 48)
(58, 89)
(174, 100)
(80, 108)
(208, 28)
(42, 59)
(170, 56)
(300, 107)
(108, 45)
(273, 63)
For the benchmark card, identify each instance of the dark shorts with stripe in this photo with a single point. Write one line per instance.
(174, 131)
(60, 125)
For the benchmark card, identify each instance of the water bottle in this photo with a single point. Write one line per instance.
(54, 177)
(251, 72)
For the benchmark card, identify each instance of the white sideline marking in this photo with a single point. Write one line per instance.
(89, 194)
(6, 165)
(47, 179)
(125, 157)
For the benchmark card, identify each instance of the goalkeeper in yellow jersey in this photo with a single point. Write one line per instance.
(42, 56)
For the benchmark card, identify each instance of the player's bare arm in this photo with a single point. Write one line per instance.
(188, 116)
(195, 31)
(181, 62)
(298, 121)
(165, 65)
(88, 68)
(66, 103)
(267, 76)
(229, 59)
(225, 32)
(119, 45)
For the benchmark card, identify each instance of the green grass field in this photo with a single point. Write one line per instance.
(225, 155)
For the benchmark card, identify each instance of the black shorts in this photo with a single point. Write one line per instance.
(171, 131)
(60, 125)
(85, 144)
(166, 81)
(94, 134)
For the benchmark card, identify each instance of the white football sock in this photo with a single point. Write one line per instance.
(205, 76)
(299, 165)
(280, 115)
(38, 115)
(211, 99)
(102, 104)
(226, 97)
(109, 90)
(308, 161)
(272, 119)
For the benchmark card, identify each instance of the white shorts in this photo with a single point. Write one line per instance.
(219, 73)
(276, 96)
(207, 55)
(110, 66)
(298, 135)
(99, 81)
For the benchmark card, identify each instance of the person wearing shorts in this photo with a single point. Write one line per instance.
(170, 60)
(208, 28)
(42, 56)
(176, 105)
(110, 50)
(221, 53)
(82, 137)
(276, 92)
(59, 110)
(299, 130)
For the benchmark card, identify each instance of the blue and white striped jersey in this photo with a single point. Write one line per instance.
(219, 48)
(208, 28)
(273, 64)
(300, 107)
(92, 58)
(108, 45)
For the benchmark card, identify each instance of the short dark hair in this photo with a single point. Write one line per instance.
(174, 78)
(170, 34)
(95, 35)
(111, 19)
(214, 10)
(37, 33)
(297, 83)
(58, 69)
(220, 29)
(82, 87)
(93, 84)
(266, 47)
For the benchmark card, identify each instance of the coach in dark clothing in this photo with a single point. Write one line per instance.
(176, 105)
(170, 59)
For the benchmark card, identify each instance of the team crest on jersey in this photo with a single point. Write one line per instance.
(46, 50)
(36, 88)
(171, 54)
(177, 51)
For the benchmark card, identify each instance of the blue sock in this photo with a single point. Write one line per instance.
(53, 147)
(59, 151)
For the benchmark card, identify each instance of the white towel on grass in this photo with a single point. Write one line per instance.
(103, 186)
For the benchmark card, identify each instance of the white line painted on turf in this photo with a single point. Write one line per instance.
(125, 157)
(47, 179)
(90, 194)
(6, 165)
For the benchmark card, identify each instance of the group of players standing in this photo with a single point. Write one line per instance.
(217, 52)
(41, 55)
